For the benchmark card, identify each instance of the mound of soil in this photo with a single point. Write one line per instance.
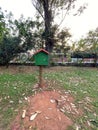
(46, 111)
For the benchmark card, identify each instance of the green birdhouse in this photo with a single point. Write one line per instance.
(41, 57)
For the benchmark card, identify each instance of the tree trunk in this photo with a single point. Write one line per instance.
(95, 60)
(48, 24)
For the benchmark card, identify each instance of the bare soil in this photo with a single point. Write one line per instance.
(50, 108)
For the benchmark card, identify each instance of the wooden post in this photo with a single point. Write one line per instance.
(40, 76)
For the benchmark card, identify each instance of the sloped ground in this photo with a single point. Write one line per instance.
(46, 111)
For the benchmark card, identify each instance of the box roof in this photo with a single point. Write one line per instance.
(41, 50)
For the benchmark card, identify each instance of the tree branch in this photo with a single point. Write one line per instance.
(67, 9)
(37, 9)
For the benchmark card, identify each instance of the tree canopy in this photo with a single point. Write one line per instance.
(48, 9)
(15, 36)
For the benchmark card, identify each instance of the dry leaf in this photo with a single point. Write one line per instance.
(33, 116)
(52, 100)
(47, 118)
(24, 114)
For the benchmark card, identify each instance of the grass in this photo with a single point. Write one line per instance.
(82, 83)
(13, 89)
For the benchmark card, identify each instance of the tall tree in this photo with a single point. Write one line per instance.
(3, 29)
(81, 45)
(92, 43)
(89, 45)
(30, 32)
(62, 37)
(15, 36)
(9, 48)
(48, 9)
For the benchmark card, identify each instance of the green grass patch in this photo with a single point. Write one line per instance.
(13, 89)
(81, 83)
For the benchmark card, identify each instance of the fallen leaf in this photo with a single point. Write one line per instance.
(33, 116)
(47, 118)
(0, 99)
(26, 98)
(52, 100)
(11, 101)
(30, 127)
(20, 101)
(24, 114)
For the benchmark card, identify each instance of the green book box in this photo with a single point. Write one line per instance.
(41, 58)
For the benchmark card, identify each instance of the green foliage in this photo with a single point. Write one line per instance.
(3, 29)
(61, 44)
(17, 36)
(89, 44)
(68, 56)
(23, 29)
(9, 48)
(30, 33)
(92, 42)
(82, 54)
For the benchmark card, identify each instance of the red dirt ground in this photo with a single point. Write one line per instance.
(50, 107)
